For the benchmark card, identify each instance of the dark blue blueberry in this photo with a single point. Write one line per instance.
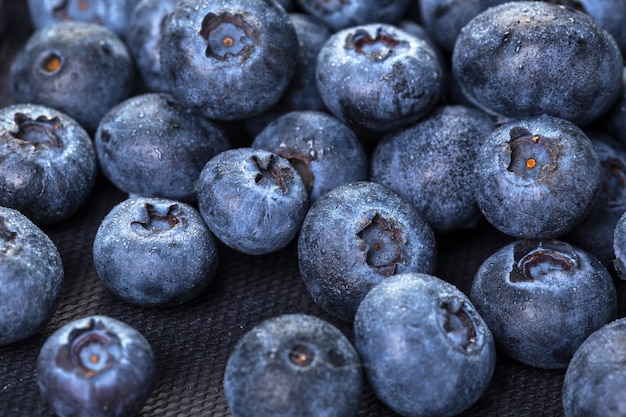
(595, 378)
(293, 365)
(425, 349)
(48, 163)
(155, 252)
(527, 58)
(341, 14)
(323, 150)
(542, 299)
(537, 177)
(152, 145)
(252, 199)
(31, 277)
(354, 237)
(229, 59)
(614, 121)
(431, 164)
(143, 39)
(619, 247)
(82, 69)
(377, 77)
(96, 366)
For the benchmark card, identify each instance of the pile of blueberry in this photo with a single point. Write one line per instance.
(362, 132)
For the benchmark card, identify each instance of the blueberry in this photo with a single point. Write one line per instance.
(619, 247)
(431, 164)
(425, 349)
(537, 177)
(48, 165)
(614, 122)
(155, 252)
(152, 145)
(82, 69)
(293, 365)
(252, 199)
(96, 366)
(377, 77)
(31, 277)
(229, 59)
(595, 378)
(354, 237)
(323, 150)
(542, 299)
(527, 58)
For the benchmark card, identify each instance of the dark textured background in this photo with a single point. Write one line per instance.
(192, 342)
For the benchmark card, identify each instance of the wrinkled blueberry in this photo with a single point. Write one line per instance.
(293, 365)
(48, 164)
(537, 177)
(155, 252)
(425, 349)
(542, 299)
(354, 237)
(154, 146)
(96, 366)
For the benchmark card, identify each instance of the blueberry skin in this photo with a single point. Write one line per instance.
(377, 77)
(230, 60)
(96, 366)
(542, 299)
(426, 351)
(595, 378)
(152, 145)
(431, 164)
(155, 252)
(31, 277)
(253, 200)
(293, 365)
(614, 121)
(619, 247)
(354, 237)
(527, 58)
(82, 69)
(323, 150)
(48, 164)
(537, 177)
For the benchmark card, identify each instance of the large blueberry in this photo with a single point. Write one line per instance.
(431, 164)
(48, 164)
(527, 58)
(229, 59)
(425, 349)
(155, 252)
(537, 177)
(252, 199)
(96, 366)
(31, 277)
(542, 299)
(152, 145)
(354, 237)
(293, 365)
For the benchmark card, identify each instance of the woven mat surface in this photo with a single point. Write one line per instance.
(192, 342)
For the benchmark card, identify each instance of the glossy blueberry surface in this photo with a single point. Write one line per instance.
(355, 236)
(152, 145)
(252, 199)
(155, 252)
(431, 164)
(293, 365)
(48, 163)
(425, 349)
(537, 177)
(230, 60)
(82, 69)
(31, 277)
(96, 366)
(542, 299)
(527, 58)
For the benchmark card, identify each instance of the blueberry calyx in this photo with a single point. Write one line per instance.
(615, 179)
(458, 322)
(8, 238)
(62, 12)
(158, 218)
(227, 36)
(532, 156)
(534, 260)
(302, 165)
(269, 171)
(378, 48)
(51, 62)
(383, 242)
(91, 350)
(301, 355)
(38, 133)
